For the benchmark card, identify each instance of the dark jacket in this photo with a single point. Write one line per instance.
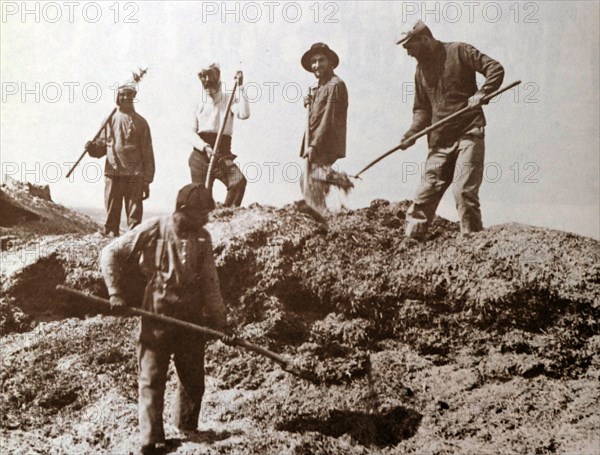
(444, 84)
(181, 273)
(327, 123)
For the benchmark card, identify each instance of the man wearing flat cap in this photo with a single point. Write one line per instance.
(208, 118)
(327, 103)
(445, 83)
(129, 167)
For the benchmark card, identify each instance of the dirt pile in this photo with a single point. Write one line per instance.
(27, 212)
(481, 345)
(39, 242)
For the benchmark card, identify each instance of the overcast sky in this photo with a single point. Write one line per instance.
(60, 60)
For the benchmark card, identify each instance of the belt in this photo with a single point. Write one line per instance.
(224, 146)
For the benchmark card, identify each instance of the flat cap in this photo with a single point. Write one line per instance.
(418, 29)
(195, 196)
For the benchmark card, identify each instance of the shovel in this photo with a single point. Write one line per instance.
(307, 185)
(282, 361)
(214, 157)
(429, 129)
(314, 174)
(136, 78)
(330, 177)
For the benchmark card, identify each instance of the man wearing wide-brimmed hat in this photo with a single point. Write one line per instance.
(328, 106)
(129, 168)
(208, 118)
(445, 82)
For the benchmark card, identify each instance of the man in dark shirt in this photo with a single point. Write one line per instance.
(445, 83)
(325, 141)
(174, 253)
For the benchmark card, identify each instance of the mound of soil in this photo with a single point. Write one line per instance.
(27, 212)
(486, 344)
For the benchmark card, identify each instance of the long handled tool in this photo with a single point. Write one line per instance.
(136, 78)
(93, 140)
(308, 166)
(435, 126)
(282, 361)
(309, 189)
(327, 176)
(214, 157)
(306, 177)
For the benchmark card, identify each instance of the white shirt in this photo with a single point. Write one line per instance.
(209, 114)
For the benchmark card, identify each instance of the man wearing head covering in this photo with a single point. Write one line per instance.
(175, 255)
(445, 83)
(209, 115)
(129, 167)
(328, 105)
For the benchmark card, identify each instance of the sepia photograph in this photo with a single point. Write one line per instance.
(310, 227)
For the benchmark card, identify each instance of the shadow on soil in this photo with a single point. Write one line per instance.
(381, 430)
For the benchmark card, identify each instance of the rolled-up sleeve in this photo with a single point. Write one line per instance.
(196, 140)
(241, 107)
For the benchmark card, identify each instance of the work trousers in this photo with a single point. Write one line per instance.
(119, 189)
(153, 364)
(224, 170)
(461, 164)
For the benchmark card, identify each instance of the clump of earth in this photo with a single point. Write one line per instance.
(486, 344)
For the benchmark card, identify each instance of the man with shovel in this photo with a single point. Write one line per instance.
(175, 255)
(129, 168)
(445, 83)
(325, 137)
(209, 117)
